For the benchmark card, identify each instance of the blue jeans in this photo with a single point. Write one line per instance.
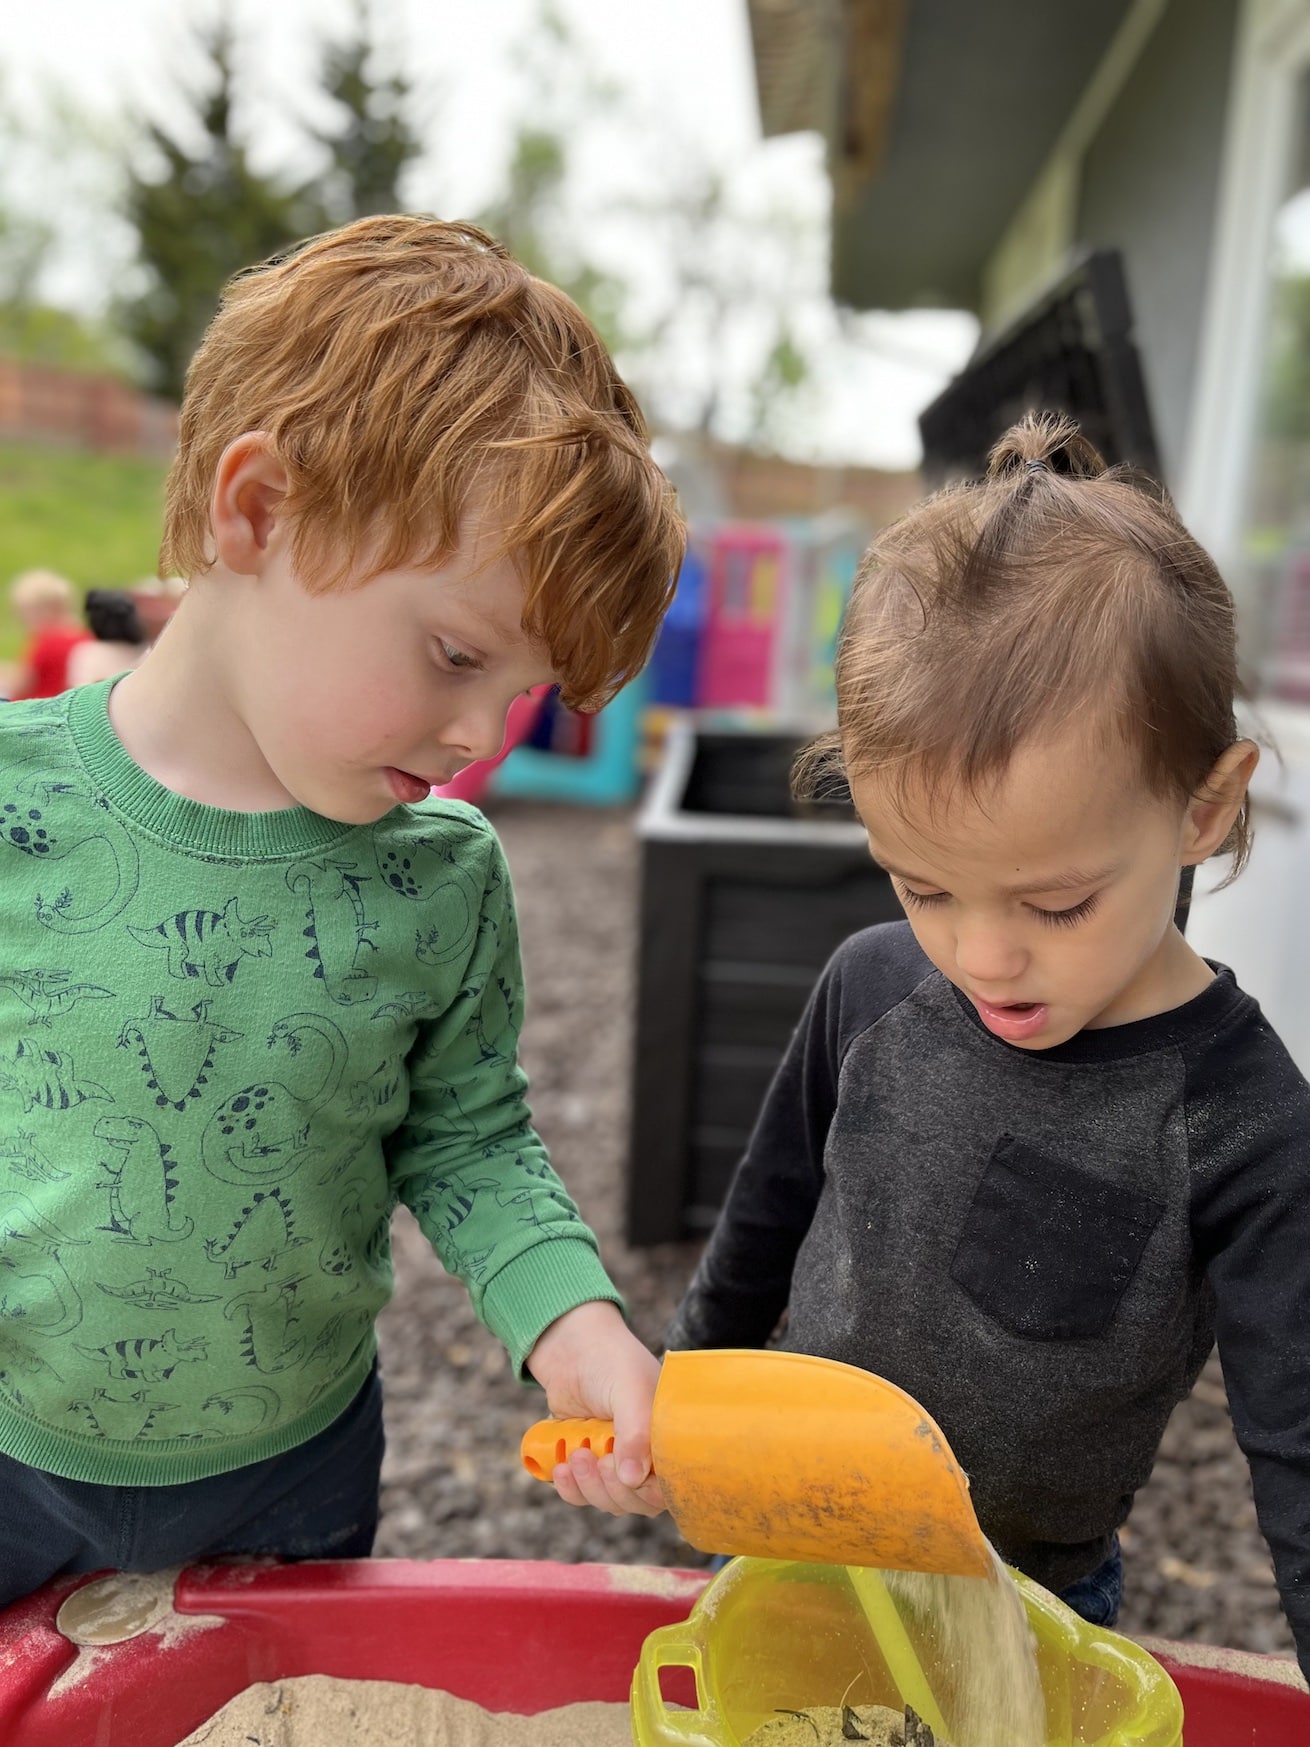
(317, 1501)
(1099, 1596)
(1095, 1598)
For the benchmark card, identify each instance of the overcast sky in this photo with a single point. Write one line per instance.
(686, 63)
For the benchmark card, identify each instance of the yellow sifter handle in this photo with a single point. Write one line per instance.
(551, 1441)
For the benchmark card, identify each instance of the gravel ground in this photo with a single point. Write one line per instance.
(452, 1486)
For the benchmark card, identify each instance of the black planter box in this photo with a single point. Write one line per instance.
(744, 897)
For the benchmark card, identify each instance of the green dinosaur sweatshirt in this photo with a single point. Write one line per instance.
(229, 1044)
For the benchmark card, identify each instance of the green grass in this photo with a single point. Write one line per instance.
(94, 518)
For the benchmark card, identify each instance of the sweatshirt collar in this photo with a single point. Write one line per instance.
(176, 819)
(1216, 1006)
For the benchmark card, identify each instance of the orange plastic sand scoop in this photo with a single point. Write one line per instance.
(785, 1456)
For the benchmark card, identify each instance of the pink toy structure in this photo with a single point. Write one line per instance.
(773, 600)
(749, 580)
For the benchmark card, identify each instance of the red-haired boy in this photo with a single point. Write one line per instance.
(409, 487)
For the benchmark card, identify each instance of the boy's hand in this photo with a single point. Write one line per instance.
(592, 1366)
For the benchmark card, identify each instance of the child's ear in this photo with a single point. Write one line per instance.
(250, 490)
(1213, 809)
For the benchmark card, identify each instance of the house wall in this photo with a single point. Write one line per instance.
(1035, 246)
(1136, 168)
(1148, 186)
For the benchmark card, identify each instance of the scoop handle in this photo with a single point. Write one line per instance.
(551, 1441)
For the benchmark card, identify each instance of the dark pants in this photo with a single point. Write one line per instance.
(1099, 1596)
(318, 1501)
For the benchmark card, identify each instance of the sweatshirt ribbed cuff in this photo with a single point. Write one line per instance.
(528, 1293)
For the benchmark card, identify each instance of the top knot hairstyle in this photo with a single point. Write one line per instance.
(1041, 444)
(404, 370)
(1056, 588)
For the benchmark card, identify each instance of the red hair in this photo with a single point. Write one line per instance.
(403, 367)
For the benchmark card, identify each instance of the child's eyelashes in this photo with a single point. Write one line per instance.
(1069, 918)
(456, 657)
(452, 659)
(922, 900)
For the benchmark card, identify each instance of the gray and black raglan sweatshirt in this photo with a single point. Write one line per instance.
(1040, 1246)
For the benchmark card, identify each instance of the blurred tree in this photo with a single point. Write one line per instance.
(25, 243)
(724, 353)
(30, 327)
(376, 137)
(711, 310)
(785, 373)
(40, 333)
(709, 332)
(201, 214)
(535, 216)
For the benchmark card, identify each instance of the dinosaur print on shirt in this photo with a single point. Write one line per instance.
(336, 928)
(109, 867)
(50, 994)
(147, 1358)
(25, 1159)
(263, 1233)
(121, 1417)
(46, 1079)
(139, 1175)
(230, 1044)
(176, 1051)
(209, 944)
(267, 1320)
(36, 1290)
(263, 1131)
(159, 1290)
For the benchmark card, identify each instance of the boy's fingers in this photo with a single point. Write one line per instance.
(566, 1485)
(585, 1481)
(581, 1481)
(644, 1500)
(651, 1499)
(653, 1494)
(618, 1499)
(632, 1411)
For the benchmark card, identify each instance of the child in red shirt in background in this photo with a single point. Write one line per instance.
(44, 603)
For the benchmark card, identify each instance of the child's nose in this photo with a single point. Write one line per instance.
(478, 731)
(987, 954)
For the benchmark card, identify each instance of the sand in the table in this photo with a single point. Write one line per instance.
(316, 1710)
(831, 1726)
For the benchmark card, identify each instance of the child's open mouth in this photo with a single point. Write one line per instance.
(407, 787)
(1015, 1021)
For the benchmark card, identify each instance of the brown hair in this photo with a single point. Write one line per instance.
(1053, 587)
(400, 368)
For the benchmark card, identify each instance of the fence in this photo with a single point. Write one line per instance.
(38, 402)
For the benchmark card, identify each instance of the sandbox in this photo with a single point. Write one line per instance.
(518, 1636)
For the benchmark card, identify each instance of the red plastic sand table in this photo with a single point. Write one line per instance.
(519, 1636)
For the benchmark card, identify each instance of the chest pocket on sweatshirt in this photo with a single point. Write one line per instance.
(1047, 1249)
